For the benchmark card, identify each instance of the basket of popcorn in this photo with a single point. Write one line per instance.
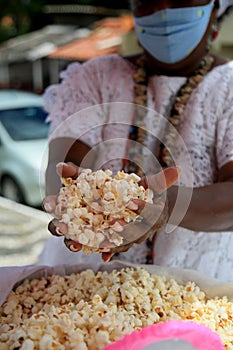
(92, 307)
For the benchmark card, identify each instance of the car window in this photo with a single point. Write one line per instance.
(25, 123)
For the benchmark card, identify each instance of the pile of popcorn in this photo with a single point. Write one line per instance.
(90, 310)
(90, 205)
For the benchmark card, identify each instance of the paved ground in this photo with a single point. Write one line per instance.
(23, 232)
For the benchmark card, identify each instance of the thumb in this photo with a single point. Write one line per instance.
(67, 170)
(163, 180)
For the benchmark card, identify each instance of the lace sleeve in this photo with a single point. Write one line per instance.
(76, 105)
(224, 149)
(65, 102)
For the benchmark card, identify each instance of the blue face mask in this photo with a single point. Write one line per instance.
(171, 35)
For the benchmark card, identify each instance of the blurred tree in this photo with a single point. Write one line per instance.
(22, 16)
(119, 4)
(19, 17)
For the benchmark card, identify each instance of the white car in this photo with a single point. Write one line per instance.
(23, 146)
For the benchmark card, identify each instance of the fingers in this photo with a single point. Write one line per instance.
(133, 232)
(49, 204)
(120, 222)
(163, 180)
(57, 228)
(72, 245)
(171, 174)
(54, 207)
(106, 257)
(63, 170)
(150, 212)
(136, 232)
(67, 170)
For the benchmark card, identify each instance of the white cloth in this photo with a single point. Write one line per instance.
(207, 130)
(223, 5)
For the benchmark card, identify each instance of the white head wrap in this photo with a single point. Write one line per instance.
(223, 5)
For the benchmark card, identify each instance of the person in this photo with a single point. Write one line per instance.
(178, 78)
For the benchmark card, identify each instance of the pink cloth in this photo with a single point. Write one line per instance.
(201, 337)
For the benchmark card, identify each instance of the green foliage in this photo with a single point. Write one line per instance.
(22, 16)
(17, 17)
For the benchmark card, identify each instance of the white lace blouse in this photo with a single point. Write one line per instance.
(95, 96)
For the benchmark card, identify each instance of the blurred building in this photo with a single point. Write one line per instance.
(107, 37)
(23, 62)
(33, 61)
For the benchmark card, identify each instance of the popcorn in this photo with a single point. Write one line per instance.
(91, 204)
(90, 310)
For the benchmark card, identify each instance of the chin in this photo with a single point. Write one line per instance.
(181, 68)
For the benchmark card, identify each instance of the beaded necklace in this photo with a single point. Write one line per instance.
(138, 131)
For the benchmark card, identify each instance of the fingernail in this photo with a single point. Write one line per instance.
(107, 257)
(117, 227)
(48, 207)
(61, 228)
(57, 230)
(73, 248)
(59, 168)
(132, 206)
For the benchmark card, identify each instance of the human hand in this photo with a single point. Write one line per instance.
(154, 215)
(135, 232)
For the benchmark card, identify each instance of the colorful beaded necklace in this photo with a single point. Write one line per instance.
(138, 131)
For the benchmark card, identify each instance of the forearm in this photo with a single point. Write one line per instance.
(210, 208)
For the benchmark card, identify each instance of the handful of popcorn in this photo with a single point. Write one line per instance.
(92, 204)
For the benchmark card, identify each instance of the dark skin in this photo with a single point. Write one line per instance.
(216, 210)
(134, 232)
(190, 63)
(218, 213)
